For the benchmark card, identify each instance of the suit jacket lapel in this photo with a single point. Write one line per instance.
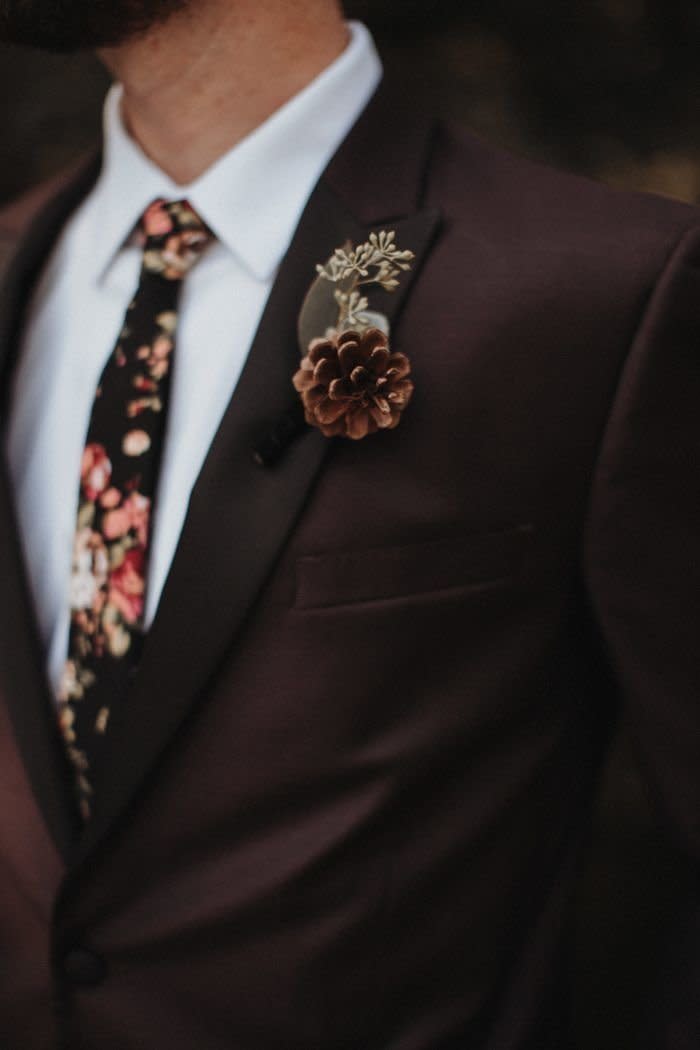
(240, 512)
(23, 685)
(239, 517)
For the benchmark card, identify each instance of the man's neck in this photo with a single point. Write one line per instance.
(200, 82)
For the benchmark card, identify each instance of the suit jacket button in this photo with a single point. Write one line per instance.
(83, 968)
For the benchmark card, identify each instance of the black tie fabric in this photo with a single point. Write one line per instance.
(118, 484)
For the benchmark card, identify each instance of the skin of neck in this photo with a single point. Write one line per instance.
(199, 82)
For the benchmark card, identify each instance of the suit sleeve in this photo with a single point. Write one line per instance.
(642, 566)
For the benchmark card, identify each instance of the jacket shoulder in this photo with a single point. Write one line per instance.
(497, 193)
(17, 215)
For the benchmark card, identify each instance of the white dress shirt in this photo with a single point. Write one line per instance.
(252, 199)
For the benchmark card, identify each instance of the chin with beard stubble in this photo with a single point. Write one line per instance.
(76, 25)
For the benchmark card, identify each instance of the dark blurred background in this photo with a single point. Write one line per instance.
(607, 87)
(610, 88)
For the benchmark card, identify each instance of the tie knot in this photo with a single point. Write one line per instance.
(173, 238)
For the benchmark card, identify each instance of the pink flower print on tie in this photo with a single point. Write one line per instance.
(118, 479)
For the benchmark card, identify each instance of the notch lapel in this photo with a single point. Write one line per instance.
(241, 513)
(23, 684)
(239, 518)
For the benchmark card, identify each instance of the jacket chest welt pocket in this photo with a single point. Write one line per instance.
(428, 567)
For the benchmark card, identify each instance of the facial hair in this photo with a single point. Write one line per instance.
(76, 25)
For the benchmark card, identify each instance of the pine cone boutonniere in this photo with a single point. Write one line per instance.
(350, 382)
(352, 385)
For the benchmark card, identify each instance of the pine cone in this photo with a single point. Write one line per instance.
(351, 384)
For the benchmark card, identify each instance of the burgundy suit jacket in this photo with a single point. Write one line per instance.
(345, 802)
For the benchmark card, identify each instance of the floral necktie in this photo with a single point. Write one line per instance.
(117, 487)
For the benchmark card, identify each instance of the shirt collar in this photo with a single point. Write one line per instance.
(253, 196)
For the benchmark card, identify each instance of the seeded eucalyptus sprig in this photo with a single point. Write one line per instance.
(377, 261)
